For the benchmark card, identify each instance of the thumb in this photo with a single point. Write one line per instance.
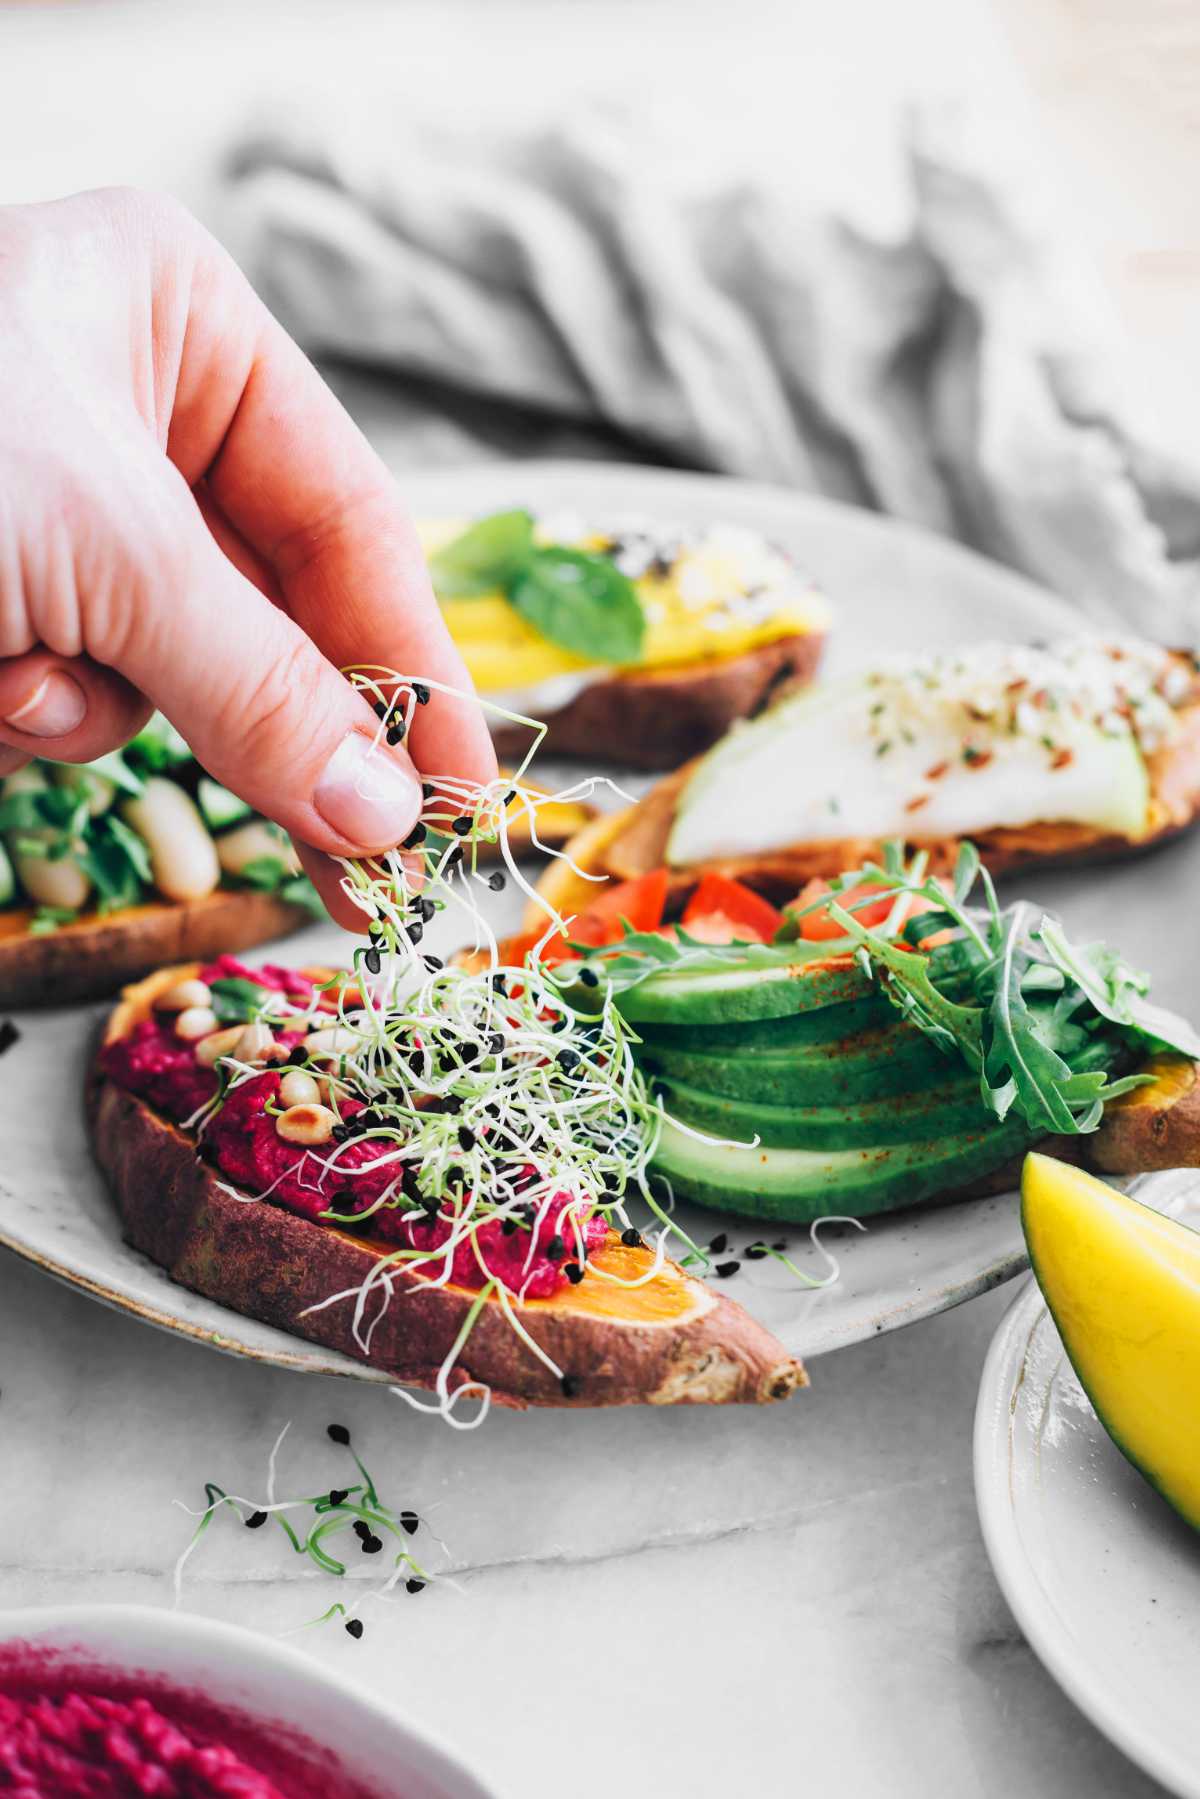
(263, 710)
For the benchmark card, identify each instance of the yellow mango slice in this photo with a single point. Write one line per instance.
(1123, 1286)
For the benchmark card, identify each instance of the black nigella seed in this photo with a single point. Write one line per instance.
(427, 790)
(466, 1137)
(396, 733)
(567, 1058)
(354, 1627)
(420, 693)
(371, 1545)
(723, 1270)
(433, 963)
(560, 1024)
(754, 1252)
(718, 1243)
(9, 1034)
(414, 1586)
(496, 1042)
(781, 1246)
(297, 1054)
(416, 836)
(372, 961)
(508, 1226)
(631, 1238)
(416, 930)
(340, 1132)
(510, 796)
(573, 1272)
(381, 708)
(461, 826)
(409, 1522)
(555, 1250)
(588, 977)
(256, 1520)
(361, 1528)
(499, 984)
(337, 1433)
(425, 910)
(338, 1496)
(572, 1385)
(497, 882)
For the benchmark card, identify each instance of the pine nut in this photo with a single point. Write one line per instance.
(195, 1022)
(254, 1042)
(334, 1042)
(297, 1088)
(182, 995)
(306, 1124)
(210, 1049)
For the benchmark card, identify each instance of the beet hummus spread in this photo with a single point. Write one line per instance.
(80, 1746)
(345, 1177)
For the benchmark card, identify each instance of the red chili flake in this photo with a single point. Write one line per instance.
(922, 799)
(1062, 758)
(1016, 686)
(976, 758)
(937, 771)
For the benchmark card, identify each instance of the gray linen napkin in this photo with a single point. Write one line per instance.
(557, 287)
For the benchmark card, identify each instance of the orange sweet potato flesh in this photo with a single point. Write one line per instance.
(670, 1342)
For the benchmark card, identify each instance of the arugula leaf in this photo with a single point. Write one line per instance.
(113, 767)
(581, 602)
(157, 747)
(488, 555)
(298, 890)
(1117, 991)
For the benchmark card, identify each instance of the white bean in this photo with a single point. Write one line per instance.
(306, 1124)
(195, 1022)
(255, 1040)
(332, 1042)
(48, 883)
(210, 1049)
(181, 995)
(101, 792)
(254, 842)
(298, 1088)
(183, 857)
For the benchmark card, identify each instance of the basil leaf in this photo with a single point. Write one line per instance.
(488, 555)
(583, 603)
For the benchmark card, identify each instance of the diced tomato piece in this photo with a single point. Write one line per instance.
(641, 902)
(819, 927)
(724, 911)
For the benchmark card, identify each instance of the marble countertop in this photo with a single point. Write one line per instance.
(747, 1599)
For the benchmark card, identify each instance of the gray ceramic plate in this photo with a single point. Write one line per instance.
(893, 588)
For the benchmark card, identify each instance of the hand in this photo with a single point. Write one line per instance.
(189, 520)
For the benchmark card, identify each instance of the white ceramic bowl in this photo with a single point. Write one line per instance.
(269, 1682)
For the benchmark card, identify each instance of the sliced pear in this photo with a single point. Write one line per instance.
(1123, 1286)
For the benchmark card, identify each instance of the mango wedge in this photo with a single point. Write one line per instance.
(1123, 1286)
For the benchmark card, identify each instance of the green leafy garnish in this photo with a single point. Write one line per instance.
(236, 1000)
(47, 919)
(579, 601)
(487, 556)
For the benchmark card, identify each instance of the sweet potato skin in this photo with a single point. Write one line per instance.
(1151, 1127)
(268, 1264)
(659, 718)
(96, 955)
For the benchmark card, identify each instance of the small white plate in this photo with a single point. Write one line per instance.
(893, 588)
(1102, 1576)
(269, 1682)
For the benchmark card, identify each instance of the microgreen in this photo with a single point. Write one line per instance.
(329, 1528)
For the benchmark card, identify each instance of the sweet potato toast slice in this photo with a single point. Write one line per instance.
(96, 954)
(633, 842)
(660, 717)
(670, 1342)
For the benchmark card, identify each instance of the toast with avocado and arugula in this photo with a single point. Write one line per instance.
(1066, 752)
(109, 869)
(880, 1042)
(637, 641)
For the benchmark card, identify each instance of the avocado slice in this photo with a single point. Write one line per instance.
(1123, 1287)
(902, 1117)
(816, 1028)
(809, 978)
(796, 1186)
(865, 1065)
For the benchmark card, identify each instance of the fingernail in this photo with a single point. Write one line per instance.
(367, 795)
(56, 707)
